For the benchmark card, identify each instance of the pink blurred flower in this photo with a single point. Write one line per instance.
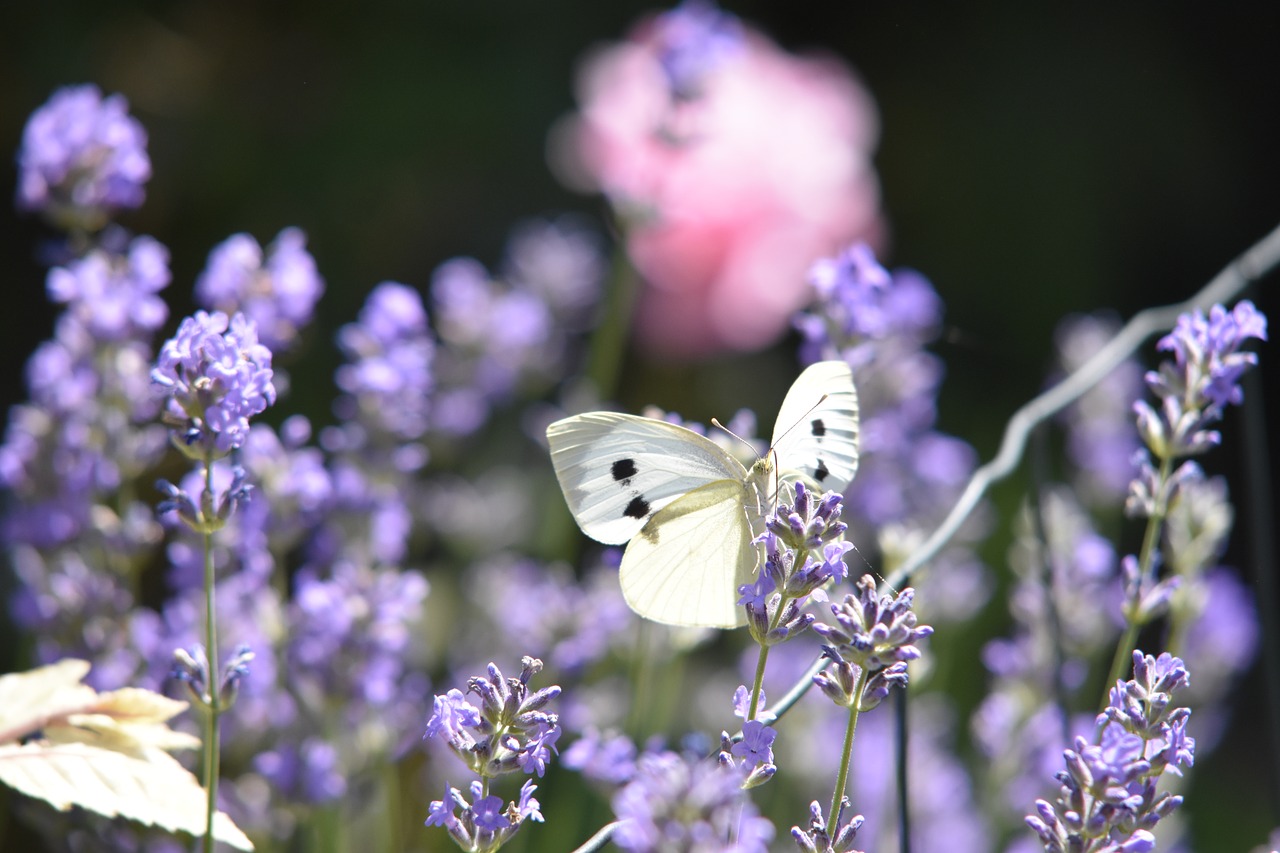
(732, 165)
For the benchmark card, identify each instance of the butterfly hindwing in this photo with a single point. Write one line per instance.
(618, 470)
(816, 433)
(685, 566)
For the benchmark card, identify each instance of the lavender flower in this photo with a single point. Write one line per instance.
(910, 475)
(819, 840)
(1108, 799)
(83, 157)
(607, 758)
(674, 803)
(508, 732)
(278, 292)
(570, 623)
(114, 297)
(511, 334)
(1101, 438)
(795, 531)
(691, 41)
(483, 824)
(1065, 606)
(216, 376)
(388, 378)
(875, 631)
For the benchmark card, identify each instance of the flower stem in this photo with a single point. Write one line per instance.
(213, 685)
(1150, 541)
(842, 778)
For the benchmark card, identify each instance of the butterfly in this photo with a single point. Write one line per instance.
(688, 508)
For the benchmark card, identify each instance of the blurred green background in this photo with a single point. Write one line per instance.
(1035, 160)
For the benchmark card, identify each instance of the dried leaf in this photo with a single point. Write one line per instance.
(28, 699)
(105, 753)
(156, 791)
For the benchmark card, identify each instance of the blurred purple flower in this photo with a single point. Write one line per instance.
(388, 379)
(879, 322)
(115, 297)
(277, 293)
(607, 758)
(1101, 438)
(511, 334)
(677, 803)
(82, 158)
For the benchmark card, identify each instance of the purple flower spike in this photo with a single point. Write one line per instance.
(1109, 787)
(673, 803)
(278, 292)
(216, 376)
(875, 631)
(82, 158)
(509, 732)
(114, 297)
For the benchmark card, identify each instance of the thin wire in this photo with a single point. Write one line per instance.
(1254, 263)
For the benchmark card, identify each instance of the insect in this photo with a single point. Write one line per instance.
(690, 509)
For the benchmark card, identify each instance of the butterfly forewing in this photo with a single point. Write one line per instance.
(816, 433)
(686, 564)
(618, 470)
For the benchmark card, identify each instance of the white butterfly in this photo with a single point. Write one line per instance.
(688, 507)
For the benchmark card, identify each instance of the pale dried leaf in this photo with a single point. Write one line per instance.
(109, 733)
(27, 699)
(133, 704)
(155, 790)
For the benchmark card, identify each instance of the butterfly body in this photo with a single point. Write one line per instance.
(689, 508)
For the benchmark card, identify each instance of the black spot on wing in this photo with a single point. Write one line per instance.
(623, 470)
(821, 472)
(638, 507)
(817, 427)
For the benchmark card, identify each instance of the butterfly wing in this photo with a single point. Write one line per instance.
(816, 433)
(686, 564)
(617, 471)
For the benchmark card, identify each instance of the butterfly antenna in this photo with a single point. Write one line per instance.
(808, 411)
(872, 569)
(715, 423)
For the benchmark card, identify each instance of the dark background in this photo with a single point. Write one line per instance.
(1034, 161)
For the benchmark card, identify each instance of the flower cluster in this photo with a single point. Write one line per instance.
(215, 376)
(83, 157)
(1100, 433)
(794, 532)
(1193, 390)
(510, 732)
(483, 824)
(278, 292)
(817, 839)
(1109, 799)
(115, 297)
(1063, 604)
(870, 646)
(753, 751)
(678, 803)
(511, 333)
(909, 474)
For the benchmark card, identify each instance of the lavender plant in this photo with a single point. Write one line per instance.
(510, 732)
(215, 376)
(402, 540)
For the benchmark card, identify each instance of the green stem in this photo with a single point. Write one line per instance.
(1150, 541)
(842, 778)
(757, 686)
(212, 688)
